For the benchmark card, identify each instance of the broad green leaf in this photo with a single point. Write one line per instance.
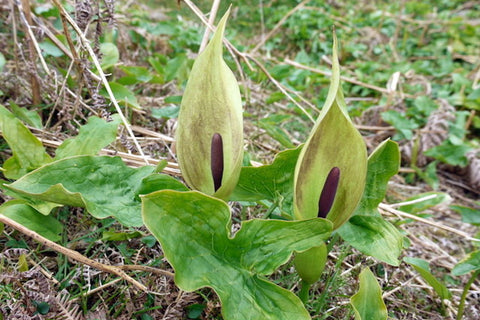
(468, 264)
(28, 151)
(367, 231)
(110, 55)
(333, 143)
(91, 138)
(269, 182)
(194, 231)
(156, 182)
(469, 215)
(122, 94)
(383, 164)
(209, 136)
(422, 267)
(105, 186)
(46, 226)
(177, 68)
(373, 236)
(29, 117)
(367, 302)
(430, 199)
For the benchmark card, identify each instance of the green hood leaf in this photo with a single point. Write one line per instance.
(194, 231)
(333, 142)
(211, 105)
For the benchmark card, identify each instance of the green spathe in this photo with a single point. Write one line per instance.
(334, 142)
(194, 231)
(211, 105)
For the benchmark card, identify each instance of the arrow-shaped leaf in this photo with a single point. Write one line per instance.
(269, 182)
(194, 231)
(105, 186)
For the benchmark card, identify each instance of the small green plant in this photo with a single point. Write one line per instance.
(326, 186)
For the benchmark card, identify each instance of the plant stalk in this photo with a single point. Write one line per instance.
(304, 293)
(461, 306)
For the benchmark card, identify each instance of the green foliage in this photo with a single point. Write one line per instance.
(46, 226)
(367, 231)
(27, 116)
(122, 94)
(105, 186)
(367, 302)
(272, 182)
(433, 63)
(468, 264)
(91, 138)
(194, 231)
(2, 61)
(28, 151)
(110, 55)
(469, 215)
(422, 267)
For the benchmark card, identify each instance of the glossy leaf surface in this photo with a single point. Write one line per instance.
(194, 231)
(375, 237)
(105, 186)
(269, 182)
(46, 226)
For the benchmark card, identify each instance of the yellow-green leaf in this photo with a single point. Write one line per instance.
(367, 302)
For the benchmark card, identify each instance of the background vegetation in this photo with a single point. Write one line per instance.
(411, 71)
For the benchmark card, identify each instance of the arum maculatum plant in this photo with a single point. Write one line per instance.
(209, 137)
(194, 227)
(314, 189)
(330, 173)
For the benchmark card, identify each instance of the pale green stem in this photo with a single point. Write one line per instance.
(461, 306)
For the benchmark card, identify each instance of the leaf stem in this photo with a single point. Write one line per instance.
(303, 294)
(461, 306)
